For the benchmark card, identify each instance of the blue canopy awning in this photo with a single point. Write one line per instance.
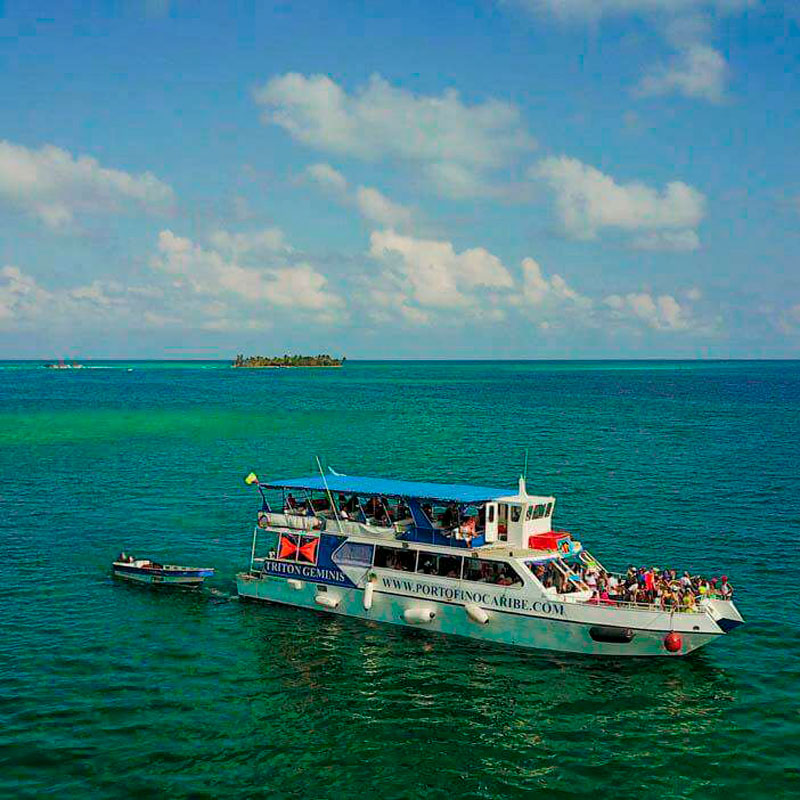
(387, 487)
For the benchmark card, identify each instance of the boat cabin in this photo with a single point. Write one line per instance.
(449, 515)
(517, 519)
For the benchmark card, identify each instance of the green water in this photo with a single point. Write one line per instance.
(110, 690)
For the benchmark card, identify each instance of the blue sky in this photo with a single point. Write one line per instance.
(514, 179)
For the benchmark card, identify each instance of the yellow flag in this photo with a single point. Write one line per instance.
(251, 479)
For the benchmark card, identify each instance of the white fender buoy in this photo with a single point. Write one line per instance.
(419, 616)
(369, 591)
(327, 600)
(476, 613)
(294, 583)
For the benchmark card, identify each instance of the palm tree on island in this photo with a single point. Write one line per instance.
(321, 360)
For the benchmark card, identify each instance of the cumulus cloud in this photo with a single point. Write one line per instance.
(694, 293)
(55, 187)
(207, 271)
(432, 273)
(373, 205)
(456, 180)
(379, 209)
(26, 304)
(457, 141)
(663, 313)
(426, 281)
(327, 177)
(269, 240)
(588, 201)
(538, 290)
(674, 241)
(582, 10)
(697, 71)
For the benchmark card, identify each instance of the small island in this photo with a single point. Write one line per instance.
(256, 362)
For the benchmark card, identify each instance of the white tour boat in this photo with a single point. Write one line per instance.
(457, 559)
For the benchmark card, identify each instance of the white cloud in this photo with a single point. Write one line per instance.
(377, 208)
(537, 290)
(589, 201)
(269, 240)
(583, 10)
(425, 281)
(380, 121)
(328, 177)
(698, 71)
(458, 181)
(373, 205)
(433, 274)
(26, 304)
(663, 313)
(53, 186)
(208, 272)
(674, 241)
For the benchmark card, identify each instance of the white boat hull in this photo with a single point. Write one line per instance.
(547, 625)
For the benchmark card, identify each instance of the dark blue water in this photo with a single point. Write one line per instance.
(108, 690)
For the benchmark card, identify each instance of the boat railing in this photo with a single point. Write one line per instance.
(629, 605)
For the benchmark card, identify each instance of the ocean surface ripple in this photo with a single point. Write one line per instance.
(110, 690)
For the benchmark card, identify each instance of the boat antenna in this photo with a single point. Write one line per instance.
(525, 470)
(330, 496)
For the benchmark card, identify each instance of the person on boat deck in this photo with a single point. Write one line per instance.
(468, 526)
(342, 503)
(591, 578)
(290, 501)
(372, 507)
(449, 517)
(382, 514)
(427, 567)
(502, 578)
(725, 589)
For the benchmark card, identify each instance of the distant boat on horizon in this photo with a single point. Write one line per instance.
(61, 364)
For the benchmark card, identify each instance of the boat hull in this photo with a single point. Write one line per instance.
(599, 633)
(187, 579)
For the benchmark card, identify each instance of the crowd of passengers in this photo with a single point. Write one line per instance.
(663, 588)
(379, 511)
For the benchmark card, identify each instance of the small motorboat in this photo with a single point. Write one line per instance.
(143, 570)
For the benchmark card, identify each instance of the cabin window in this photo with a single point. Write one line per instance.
(441, 565)
(516, 511)
(538, 512)
(529, 514)
(549, 510)
(394, 558)
(490, 515)
(497, 572)
(354, 554)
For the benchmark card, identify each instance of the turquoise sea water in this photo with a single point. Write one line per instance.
(110, 690)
